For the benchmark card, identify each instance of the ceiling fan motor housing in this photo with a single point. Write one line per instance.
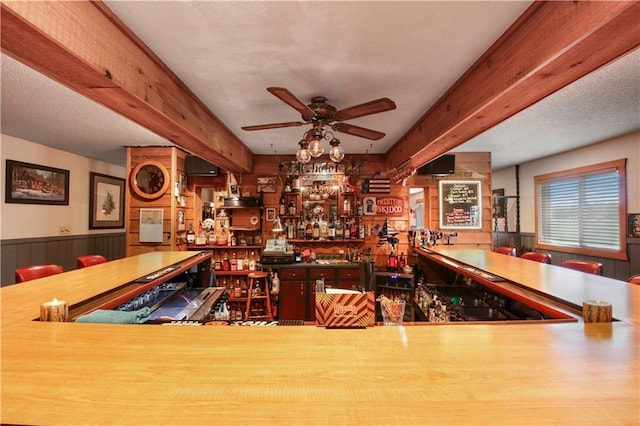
(322, 110)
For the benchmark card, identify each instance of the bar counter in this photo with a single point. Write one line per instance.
(70, 373)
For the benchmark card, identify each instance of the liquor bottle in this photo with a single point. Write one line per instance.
(234, 262)
(354, 229)
(346, 206)
(401, 262)
(233, 239)
(244, 288)
(359, 209)
(332, 229)
(252, 261)
(347, 230)
(275, 284)
(240, 264)
(239, 289)
(282, 207)
(201, 236)
(308, 233)
(292, 208)
(324, 228)
(339, 230)
(226, 264)
(316, 230)
(211, 237)
(361, 230)
(191, 235)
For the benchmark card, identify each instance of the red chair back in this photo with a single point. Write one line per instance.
(584, 266)
(28, 273)
(90, 260)
(635, 279)
(509, 251)
(537, 256)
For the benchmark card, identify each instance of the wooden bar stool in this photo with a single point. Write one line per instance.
(90, 260)
(28, 273)
(258, 299)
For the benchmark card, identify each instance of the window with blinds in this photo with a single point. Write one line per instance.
(583, 210)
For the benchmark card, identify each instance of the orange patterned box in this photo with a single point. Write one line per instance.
(345, 310)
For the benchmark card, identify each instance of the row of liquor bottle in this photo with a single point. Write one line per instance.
(222, 237)
(347, 206)
(235, 262)
(318, 228)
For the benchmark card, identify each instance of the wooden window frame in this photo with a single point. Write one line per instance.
(618, 165)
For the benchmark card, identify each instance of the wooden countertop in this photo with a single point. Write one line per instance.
(68, 373)
(561, 283)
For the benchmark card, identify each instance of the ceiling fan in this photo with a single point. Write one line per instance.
(320, 113)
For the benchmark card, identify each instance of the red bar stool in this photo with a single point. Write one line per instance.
(634, 279)
(584, 266)
(28, 273)
(90, 260)
(509, 251)
(537, 256)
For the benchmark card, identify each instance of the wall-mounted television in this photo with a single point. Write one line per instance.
(443, 165)
(196, 166)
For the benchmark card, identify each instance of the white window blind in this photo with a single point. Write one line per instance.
(581, 211)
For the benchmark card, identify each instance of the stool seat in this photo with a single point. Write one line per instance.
(537, 257)
(634, 279)
(584, 266)
(28, 273)
(90, 260)
(509, 251)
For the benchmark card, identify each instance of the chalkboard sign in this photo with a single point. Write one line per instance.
(460, 204)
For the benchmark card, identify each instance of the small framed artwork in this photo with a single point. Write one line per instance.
(183, 183)
(234, 190)
(634, 225)
(28, 183)
(106, 201)
(267, 184)
(271, 215)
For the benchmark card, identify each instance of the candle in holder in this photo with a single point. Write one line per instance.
(56, 310)
(596, 311)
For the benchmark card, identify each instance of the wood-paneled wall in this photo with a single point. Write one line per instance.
(61, 250)
(173, 159)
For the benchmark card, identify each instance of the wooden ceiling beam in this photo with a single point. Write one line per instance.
(85, 47)
(550, 46)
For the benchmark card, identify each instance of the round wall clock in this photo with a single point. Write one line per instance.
(149, 180)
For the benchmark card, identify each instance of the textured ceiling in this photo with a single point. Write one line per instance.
(228, 53)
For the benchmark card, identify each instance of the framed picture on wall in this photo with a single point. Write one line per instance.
(28, 183)
(267, 184)
(271, 215)
(106, 201)
(460, 204)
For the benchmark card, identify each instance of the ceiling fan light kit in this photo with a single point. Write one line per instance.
(303, 155)
(336, 153)
(321, 114)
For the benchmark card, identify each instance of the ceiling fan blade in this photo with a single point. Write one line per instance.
(358, 131)
(287, 97)
(273, 125)
(367, 108)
